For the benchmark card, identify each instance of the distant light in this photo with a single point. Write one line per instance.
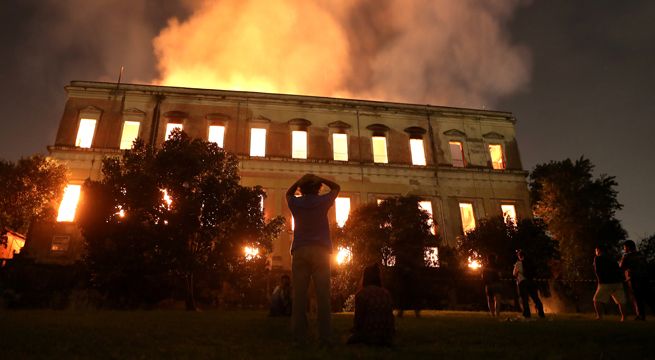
(68, 205)
(474, 264)
(344, 255)
(167, 199)
(121, 213)
(250, 252)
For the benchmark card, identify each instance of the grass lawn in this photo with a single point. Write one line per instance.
(252, 335)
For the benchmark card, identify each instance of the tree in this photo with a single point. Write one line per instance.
(578, 210)
(179, 212)
(29, 187)
(497, 236)
(394, 232)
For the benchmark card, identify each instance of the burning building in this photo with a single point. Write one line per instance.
(463, 163)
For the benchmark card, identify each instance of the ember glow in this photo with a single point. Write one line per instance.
(474, 264)
(250, 252)
(344, 255)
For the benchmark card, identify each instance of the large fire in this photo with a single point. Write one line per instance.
(282, 46)
(424, 51)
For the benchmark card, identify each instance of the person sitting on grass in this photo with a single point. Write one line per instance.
(281, 298)
(374, 321)
(610, 282)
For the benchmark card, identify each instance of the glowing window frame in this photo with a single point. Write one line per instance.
(340, 146)
(417, 150)
(85, 132)
(129, 133)
(258, 142)
(497, 164)
(426, 205)
(172, 126)
(216, 134)
(509, 213)
(459, 163)
(472, 223)
(381, 156)
(299, 144)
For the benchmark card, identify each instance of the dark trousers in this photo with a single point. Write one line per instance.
(527, 290)
(640, 293)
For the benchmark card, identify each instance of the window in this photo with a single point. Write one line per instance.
(130, 133)
(170, 127)
(257, 142)
(418, 151)
(379, 149)
(69, 202)
(340, 147)
(431, 256)
(497, 160)
(342, 207)
(85, 133)
(60, 243)
(427, 207)
(216, 135)
(299, 144)
(509, 213)
(456, 153)
(468, 218)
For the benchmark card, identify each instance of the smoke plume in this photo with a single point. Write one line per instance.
(439, 52)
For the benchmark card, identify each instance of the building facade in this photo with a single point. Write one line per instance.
(463, 163)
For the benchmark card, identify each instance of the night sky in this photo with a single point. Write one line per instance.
(591, 90)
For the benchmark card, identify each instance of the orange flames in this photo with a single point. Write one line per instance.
(444, 52)
(282, 46)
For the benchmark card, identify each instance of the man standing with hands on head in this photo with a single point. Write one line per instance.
(310, 254)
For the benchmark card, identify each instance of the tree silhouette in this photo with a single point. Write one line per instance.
(178, 212)
(578, 210)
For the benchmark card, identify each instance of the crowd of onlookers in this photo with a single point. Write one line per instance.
(374, 319)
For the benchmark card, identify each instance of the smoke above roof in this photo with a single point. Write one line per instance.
(455, 53)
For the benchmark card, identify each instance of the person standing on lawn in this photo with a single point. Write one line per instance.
(492, 286)
(633, 263)
(310, 254)
(610, 282)
(524, 275)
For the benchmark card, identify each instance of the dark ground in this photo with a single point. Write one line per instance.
(251, 335)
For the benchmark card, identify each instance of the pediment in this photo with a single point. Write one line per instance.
(493, 135)
(378, 128)
(339, 125)
(134, 112)
(260, 119)
(176, 114)
(300, 122)
(91, 111)
(218, 116)
(454, 132)
(415, 130)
